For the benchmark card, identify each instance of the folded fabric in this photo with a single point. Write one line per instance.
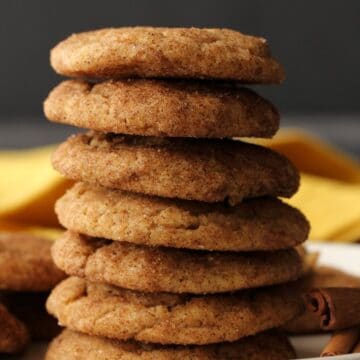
(29, 188)
(313, 156)
(329, 194)
(332, 206)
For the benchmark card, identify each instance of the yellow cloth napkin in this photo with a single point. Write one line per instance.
(329, 194)
(29, 188)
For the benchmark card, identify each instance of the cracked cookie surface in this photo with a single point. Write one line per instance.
(254, 224)
(162, 108)
(193, 169)
(165, 318)
(151, 52)
(72, 345)
(159, 269)
(26, 263)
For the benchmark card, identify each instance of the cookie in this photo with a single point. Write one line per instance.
(72, 345)
(255, 224)
(26, 263)
(162, 108)
(193, 169)
(29, 307)
(164, 318)
(13, 334)
(150, 52)
(160, 269)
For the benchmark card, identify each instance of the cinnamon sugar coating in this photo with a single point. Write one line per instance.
(160, 269)
(165, 318)
(193, 169)
(150, 52)
(26, 263)
(162, 108)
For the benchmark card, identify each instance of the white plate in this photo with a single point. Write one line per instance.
(344, 257)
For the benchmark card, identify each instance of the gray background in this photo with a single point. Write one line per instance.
(317, 41)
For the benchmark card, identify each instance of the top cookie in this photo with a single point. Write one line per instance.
(167, 53)
(26, 263)
(162, 108)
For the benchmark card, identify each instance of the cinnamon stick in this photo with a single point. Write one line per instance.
(342, 342)
(337, 308)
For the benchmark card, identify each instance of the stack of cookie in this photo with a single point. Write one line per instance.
(27, 274)
(177, 246)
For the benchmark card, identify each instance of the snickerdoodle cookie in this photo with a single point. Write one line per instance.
(162, 108)
(165, 318)
(167, 53)
(13, 333)
(160, 269)
(193, 169)
(72, 345)
(254, 224)
(26, 263)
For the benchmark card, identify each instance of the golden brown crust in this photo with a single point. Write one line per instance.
(165, 318)
(193, 169)
(26, 263)
(13, 333)
(72, 345)
(162, 108)
(255, 224)
(159, 269)
(167, 53)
